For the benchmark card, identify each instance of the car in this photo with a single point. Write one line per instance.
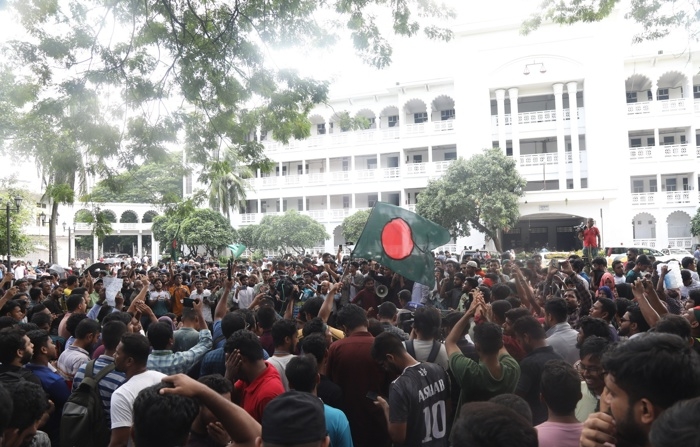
(676, 252)
(620, 253)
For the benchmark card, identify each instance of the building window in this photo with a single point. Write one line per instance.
(420, 117)
(696, 91)
(447, 114)
(371, 200)
(346, 164)
(668, 140)
(569, 183)
(670, 184)
(682, 139)
(300, 204)
(392, 162)
(651, 141)
(372, 123)
(635, 142)
(321, 129)
(418, 159)
(584, 183)
(653, 187)
(372, 163)
(346, 202)
(631, 97)
(686, 187)
(263, 135)
(393, 121)
(637, 186)
(662, 94)
(449, 156)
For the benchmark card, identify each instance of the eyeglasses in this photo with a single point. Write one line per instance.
(589, 369)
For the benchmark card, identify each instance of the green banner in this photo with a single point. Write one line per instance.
(237, 249)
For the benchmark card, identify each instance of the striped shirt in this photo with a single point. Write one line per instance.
(107, 386)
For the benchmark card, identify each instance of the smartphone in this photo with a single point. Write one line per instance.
(371, 395)
(340, 247)
(318, 288)
(229, 268)
(188, 302)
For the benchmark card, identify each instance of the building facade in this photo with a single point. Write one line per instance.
(599, 127)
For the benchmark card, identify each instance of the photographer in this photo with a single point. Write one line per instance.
(591, 240)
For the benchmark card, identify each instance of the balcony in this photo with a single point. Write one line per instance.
(680, 242)
(363, 136)
(548, 159)
(651, 243)
(664, 198)
(434, 169)
(667, 152)
(324, 215)
(540, 116)
(678, 105)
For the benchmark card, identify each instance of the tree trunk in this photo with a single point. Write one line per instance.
(53, 246)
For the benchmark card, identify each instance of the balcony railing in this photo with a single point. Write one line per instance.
(665, 152)
(680, 242)
(540, 116)
(664, 198)
(323, 215)
(651, 243)
(663, 106)
(539, 159)
(436, 168)
(411, 207)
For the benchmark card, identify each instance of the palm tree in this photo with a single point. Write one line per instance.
(226, 180)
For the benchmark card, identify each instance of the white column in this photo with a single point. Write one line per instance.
(303, 166)
(501, 110)
(352, 201)
(303, 203)
(661, 230)
(139, 244)
(561, 138)
(660, 193)
(657, 144)
(572, 88)
(430, 154)
(513, 95)
(154, 250)
(95, 248)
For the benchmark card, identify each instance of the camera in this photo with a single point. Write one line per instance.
(580, 227)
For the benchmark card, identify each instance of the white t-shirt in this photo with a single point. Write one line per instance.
(280, 363)
(245, 297)
(122, 405)
(206, 309)
(19, 272)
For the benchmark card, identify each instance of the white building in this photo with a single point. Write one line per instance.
(599, 128)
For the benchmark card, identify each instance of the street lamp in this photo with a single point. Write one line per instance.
(18, 203)
(71, 231)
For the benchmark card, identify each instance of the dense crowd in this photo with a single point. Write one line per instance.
(326, 350)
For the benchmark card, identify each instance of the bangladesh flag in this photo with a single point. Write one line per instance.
(401, 240)
(237, 249)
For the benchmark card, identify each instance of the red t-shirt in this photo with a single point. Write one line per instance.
(258, 393)
(590, 237)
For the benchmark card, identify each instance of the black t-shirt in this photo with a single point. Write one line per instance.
(528, 387)
(418, 397)
(330, 393)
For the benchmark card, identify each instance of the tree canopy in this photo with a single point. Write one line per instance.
(480, 193)
(288, 231)
(202, 231)
(695, 224)
(353, 225)
(658, 18)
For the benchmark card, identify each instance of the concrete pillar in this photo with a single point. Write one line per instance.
(513, 95)
(572, 88)
(561, 138)
(501, 110)
(139, 244)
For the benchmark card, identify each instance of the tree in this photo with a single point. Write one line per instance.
(480, 193)
(207, 229)
(353, 225)
(695, 224)
(290, 230)
(89, 87)
(658, 17)
(246, 236)
(226, 178)
(156, 182)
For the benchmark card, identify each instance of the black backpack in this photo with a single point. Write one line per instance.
(83, 422)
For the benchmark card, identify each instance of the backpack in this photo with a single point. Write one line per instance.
(434, 350)
(83, 422)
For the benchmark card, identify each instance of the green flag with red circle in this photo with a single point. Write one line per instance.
(402, 241)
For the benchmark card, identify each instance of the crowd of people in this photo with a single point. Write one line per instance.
(328, 350)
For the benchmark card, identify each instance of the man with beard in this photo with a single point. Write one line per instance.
(284, 335)
(632, 323)
(591, 370)
(16, 350)
(644, 377)
(29, 407)
(416, 412)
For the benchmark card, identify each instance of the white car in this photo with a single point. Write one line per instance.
(620, 253)
(678, 253)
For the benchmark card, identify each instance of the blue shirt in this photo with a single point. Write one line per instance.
(57, 389)
(338, 427)
(113, 380)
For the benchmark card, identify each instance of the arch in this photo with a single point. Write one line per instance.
(129, 216)
(338, 238)
(82, 215)
(415, 105)
(369, 115)
(678, 223)
(389, 111)
(111, 215)
(444, 108)
(148, 216)
(637, 83)
(675, 82)
(644, 226)
(317, 119)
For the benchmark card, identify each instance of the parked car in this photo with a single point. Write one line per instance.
(620, 253)
(676, 252)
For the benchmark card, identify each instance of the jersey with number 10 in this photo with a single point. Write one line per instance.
(418, 398)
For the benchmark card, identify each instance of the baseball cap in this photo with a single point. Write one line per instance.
(472, 264)
(294, 418)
